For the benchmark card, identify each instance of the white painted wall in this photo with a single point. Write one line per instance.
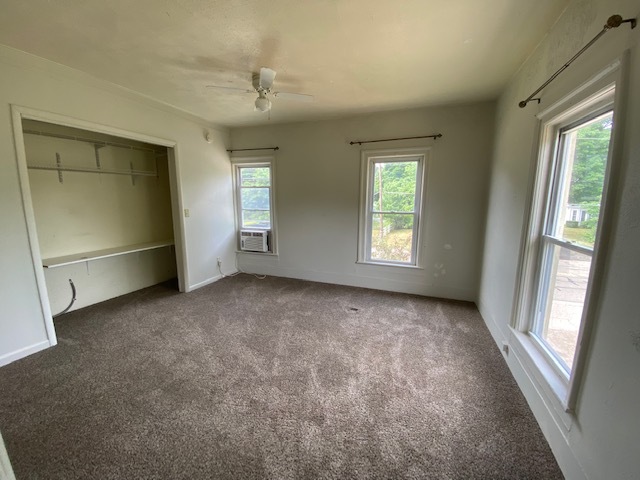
(601, 440)
(203, 170)
(317, 181)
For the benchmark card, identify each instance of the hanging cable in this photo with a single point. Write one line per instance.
(238, 271)
(73, 299)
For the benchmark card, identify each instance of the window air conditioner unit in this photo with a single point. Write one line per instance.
(254, 240)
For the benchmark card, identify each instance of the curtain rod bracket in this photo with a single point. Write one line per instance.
(523, 103)
(614, 21)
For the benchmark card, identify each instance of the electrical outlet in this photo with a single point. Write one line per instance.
(505, 347)
(219, 261)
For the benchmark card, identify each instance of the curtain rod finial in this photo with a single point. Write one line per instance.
(522, 104)
(614, 21)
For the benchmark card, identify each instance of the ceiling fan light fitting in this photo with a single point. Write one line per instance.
(263, 104)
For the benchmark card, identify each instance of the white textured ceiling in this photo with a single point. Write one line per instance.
(352, 55)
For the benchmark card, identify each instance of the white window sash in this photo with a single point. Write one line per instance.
(420, 159)
(240, 188)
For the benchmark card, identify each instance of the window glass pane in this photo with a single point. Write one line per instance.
(394, 186)
(566, 278)
(255, 198)
(255, 176)
(585, 155)
(256, 219)
(392, 237)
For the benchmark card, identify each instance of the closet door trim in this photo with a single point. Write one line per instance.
(19, 113)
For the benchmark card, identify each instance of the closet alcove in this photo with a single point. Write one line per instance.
(103, 213)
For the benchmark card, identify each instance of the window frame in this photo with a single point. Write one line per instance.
(548, 238)
(605, 91)
(237, 164)
(368, 160)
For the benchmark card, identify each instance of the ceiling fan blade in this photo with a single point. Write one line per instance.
(235, 89)
(301, 97)
(267, 76)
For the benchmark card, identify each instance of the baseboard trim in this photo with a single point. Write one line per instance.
(495, 331)
(6, 472)
(208, 281)
(23, 352)
(536, 399)
(418, 287)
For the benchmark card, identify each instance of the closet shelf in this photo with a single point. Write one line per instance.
(138, 173)
(105, 253)
(98, 143)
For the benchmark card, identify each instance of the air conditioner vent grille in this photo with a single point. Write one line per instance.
(254, 240)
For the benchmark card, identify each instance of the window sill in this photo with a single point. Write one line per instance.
(384, 264)
(267, 254)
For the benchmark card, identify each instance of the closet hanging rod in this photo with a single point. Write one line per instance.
(137, 173)
(614, 21)
(360, 142)
(253, 149)
(103, 143)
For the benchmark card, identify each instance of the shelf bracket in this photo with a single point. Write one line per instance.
(133, 177)
(59, 165)
(97, 150)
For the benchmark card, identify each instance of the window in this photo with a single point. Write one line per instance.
(254, 196)
(566, 253)
(391, 205)
(561, 251)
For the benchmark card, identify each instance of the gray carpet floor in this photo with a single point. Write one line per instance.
(273, 379)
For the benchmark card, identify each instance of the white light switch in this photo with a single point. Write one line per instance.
(186, 212)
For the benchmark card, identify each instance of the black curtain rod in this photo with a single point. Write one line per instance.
(251, 149)
(614, 21)
(437, 135)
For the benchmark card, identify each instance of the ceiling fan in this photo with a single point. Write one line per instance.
(262, 83)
